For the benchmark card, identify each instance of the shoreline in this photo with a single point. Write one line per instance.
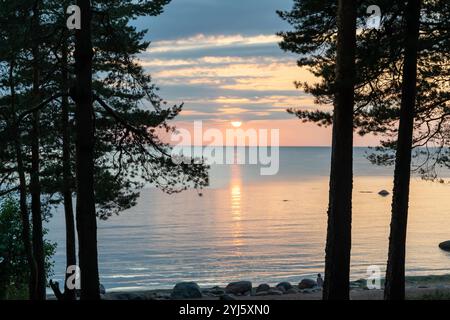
(417, 287)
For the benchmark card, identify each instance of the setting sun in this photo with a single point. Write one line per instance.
(236, 124)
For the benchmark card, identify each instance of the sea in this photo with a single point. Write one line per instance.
(262, 228)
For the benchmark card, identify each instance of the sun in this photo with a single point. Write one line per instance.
(236, 124)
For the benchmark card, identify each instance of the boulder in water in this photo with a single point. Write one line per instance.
(186, 290)
(263, 288)
(285, 285)
(445, 245)
(307, 284)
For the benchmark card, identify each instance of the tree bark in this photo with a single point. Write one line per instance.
(338, 246)
(35, 188)
(85, 211)
(26, 239)
(71, 260)
(395, 273)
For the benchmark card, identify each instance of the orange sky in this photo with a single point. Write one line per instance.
(292, 132)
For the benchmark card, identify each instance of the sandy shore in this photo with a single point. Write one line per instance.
(417, 288)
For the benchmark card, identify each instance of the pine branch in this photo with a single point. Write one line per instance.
(39, 106)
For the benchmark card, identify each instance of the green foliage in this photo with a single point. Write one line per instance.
(14, 271)
(129, 153)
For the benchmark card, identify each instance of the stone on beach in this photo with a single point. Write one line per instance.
(307, 284)
(292, 291)
(285, 285)
(186, 290)
(240, 287)
(445, 245)
(384, 193)
(263, 288)
(275, 292)
(215, 291)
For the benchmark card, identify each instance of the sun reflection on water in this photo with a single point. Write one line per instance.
(236, 207)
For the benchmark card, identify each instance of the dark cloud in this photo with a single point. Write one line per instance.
(183, 18)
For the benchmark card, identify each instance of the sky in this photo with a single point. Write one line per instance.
(222, 60)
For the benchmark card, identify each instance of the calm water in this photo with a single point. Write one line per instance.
(262, 228)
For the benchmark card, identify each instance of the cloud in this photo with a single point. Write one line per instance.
(223, 77)
(239, 74)
(202, 41)
(205, 60)
(217, 87)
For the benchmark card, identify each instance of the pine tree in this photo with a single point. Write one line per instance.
(127, 150)
(395, 273)
(338, 247)
(379, 76)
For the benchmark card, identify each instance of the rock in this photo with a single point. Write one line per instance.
(262, 293)
(445, 245)
(263, 288)
(285, 285)
(307, 284)
(216, 291)
(282, 289)
(384, 193)
(275, 292)
(186, 290)
(240, 287)
(292, 291)
(227, 297)
(102, 289)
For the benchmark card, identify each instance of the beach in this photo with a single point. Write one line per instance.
(417, 288)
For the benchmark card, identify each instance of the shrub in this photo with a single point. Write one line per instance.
(14, 272)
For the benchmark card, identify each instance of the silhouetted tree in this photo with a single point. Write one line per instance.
(337, 260)
(125, 150)
(338, 246)
(35, 187)
(12, 43)
(395, 273)
(379, 87)
(84, 114)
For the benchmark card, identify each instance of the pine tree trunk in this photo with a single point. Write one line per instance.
(35, 189)
(395, 273)
(71, 260)
(338, 247)
(85, 211)
(26, 239)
